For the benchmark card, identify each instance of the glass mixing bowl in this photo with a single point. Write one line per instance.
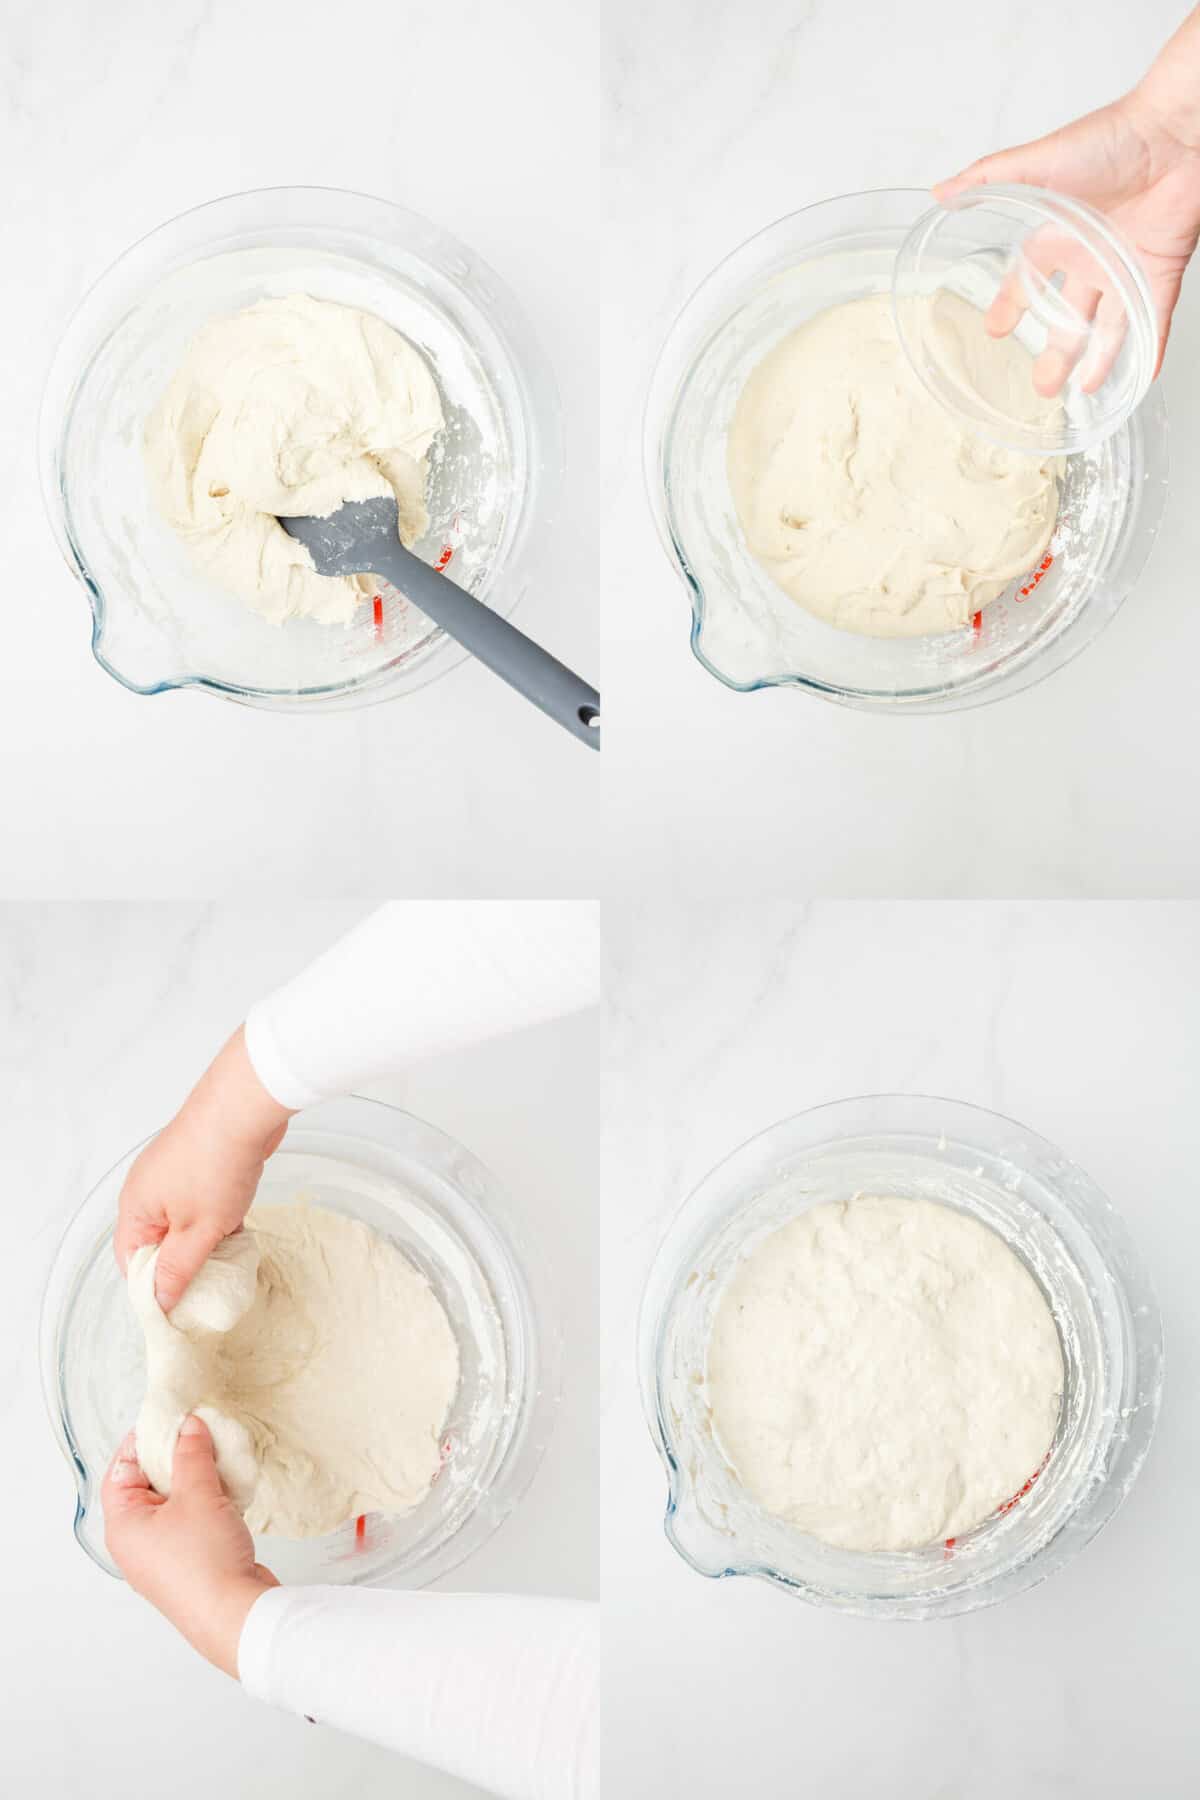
(157, 621)
(745, 630)
(447, 1214)
(1046, 1210)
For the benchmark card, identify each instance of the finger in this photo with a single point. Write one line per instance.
(1007, 307)
(1001, 167)
(1052, 279)
(125, 1467)
(1166, 296)
(1109, 330)
(975, 175)
(1068, 339)
(181, 1256)
(131, 1233)
(1017, 291)
(1034, 264)
(126, 1486)
(944, 191)
(194, 1469)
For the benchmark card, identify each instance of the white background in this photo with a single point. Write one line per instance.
(603, 157)
(107, 1015)
(1082, 1022)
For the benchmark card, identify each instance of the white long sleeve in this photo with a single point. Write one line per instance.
(418, 978)
(500, 1689)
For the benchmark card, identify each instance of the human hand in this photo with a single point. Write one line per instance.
(190, 1555)
(1137, 162)
(194, 1184)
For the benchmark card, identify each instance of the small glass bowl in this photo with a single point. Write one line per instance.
(157, 621)
(447, 1214)
(750, 634)
(1053, 256)
(1047, 1211)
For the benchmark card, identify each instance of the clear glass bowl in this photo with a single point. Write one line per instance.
(157, 622)
(448, 1215)
(1048, 1212)
(1046, 252)
(745, 630)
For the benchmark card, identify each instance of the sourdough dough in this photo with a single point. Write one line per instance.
(288, 408)
(321, 1360)
(858, 492)
(884, 1373)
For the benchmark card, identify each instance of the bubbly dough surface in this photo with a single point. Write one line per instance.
(861, 496)
(286, 409)
(884, 1373)
(321, 1360)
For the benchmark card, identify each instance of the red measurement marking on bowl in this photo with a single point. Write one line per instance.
(360, 1528)
(1038, 573)
(452, 542)
(977, 623)
(447, 551)
(444, 1450)
(1021, 1492)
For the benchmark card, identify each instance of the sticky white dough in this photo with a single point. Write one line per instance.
(862, 496)
(289, 408)
(321, 1360)
(884, 1373)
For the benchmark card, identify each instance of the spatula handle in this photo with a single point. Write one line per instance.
(560, 693)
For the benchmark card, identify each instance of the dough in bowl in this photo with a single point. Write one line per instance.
(860, 494)
(884, 1373)
(290, 408)
(321, 1360)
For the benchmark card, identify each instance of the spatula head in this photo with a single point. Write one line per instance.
(347, 542)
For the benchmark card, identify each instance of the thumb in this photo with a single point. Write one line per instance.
(1011, 166)
(181, 1256)
(194, 1468)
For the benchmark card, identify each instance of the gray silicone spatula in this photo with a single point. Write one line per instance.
(360, 538)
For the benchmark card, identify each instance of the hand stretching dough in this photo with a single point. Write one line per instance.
(859, 493)
(884, 1373)
(321, 1361)
(289, 408)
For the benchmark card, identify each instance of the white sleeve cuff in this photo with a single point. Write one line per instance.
(500, 1689)
(271, 1065)
(255, 1654)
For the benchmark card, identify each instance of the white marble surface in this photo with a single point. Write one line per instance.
(1080, 1021)
(107, 1014)
(603, 157)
